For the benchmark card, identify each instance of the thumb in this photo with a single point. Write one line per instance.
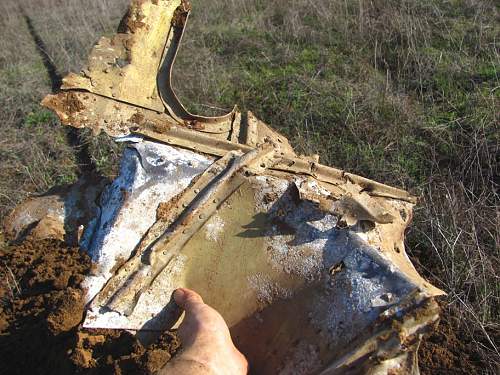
(187, 299)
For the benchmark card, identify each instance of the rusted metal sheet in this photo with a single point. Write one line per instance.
(305, 262)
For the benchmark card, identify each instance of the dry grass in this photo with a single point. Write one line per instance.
(404, 92)
(35, 151)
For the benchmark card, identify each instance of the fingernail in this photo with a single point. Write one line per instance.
(179, 296)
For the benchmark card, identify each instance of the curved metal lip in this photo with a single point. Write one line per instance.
(173, 105)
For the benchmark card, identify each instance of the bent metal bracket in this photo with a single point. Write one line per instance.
(305, 262)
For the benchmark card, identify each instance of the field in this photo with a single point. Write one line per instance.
(403, 92)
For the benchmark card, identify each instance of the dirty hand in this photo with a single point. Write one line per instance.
(206, 341)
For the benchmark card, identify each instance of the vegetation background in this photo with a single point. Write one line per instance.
(404, 92)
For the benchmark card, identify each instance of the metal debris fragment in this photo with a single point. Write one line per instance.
(305, 262)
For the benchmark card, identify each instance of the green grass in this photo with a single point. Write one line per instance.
(389, 103)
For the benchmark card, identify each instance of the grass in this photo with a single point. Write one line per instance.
(35, 151)
(403, 92)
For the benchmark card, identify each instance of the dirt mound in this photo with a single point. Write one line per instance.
(445, 351)
(41, 308)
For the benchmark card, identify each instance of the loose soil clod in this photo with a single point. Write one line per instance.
(40, 320)
(446, 351)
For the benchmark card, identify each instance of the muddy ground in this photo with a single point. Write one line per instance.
(42, 308)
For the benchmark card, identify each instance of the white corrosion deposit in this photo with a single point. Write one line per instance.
(150, 173)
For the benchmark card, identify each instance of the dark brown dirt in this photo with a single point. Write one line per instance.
(41, 309)
(447, 350)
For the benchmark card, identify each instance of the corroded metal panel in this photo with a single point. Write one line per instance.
(305, 262)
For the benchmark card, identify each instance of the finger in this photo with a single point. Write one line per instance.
(187, 299)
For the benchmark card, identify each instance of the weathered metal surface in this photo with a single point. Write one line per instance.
(62, 213)
(128, 206)
(270, 251)
(305, 262)
(286, 162)
(136, 275)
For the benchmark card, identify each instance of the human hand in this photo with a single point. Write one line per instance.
(206, 341)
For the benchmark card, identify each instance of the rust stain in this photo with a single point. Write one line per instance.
(157, 126)
(163, 212)
(119, 262)
(194, 124)
(181, 14)
(137, 118)
(133, 19)
(72, 104)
